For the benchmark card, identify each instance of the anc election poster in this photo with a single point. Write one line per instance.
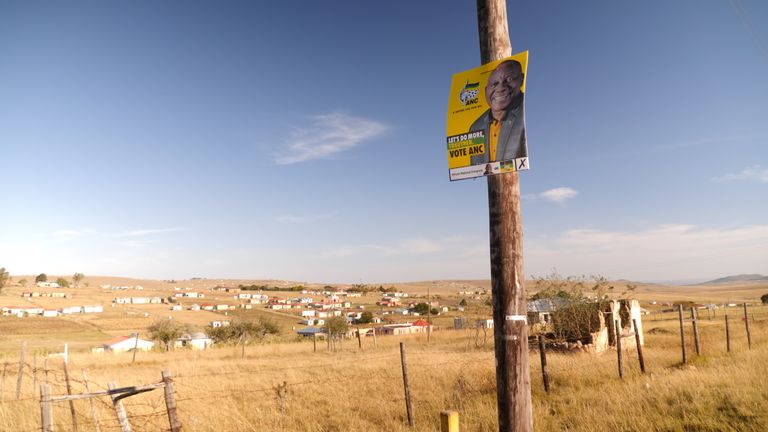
(485, 131)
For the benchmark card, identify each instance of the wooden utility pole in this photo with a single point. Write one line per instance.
(135, 347)
(727, 334)
(513, 377)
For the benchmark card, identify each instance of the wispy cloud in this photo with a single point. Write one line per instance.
(665, 252)
(301, 219)
(559, 195)
(753, 173)
(143, 232)
(328, 135)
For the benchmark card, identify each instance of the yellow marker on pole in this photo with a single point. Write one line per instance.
(449, 421)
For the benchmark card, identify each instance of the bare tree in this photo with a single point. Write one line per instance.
(5, 278)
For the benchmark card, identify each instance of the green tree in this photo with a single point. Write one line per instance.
(365, 318)
(336, 328)
(463, 302)
(421, 308)
(242, 332)
(5, 278)
(166, 332)
(62, 282)
(77, 278)
(42, 277)
(764, 298)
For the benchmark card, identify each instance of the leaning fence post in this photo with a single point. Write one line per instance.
(46, 408)
(170, 402)
(69, 388)
(359, 340)
(21, 369)
(695, 324)
(682, 330)
(727, 334)
(746, 323)
(90, 400)
(639, 346)
(122, 416)
(408, 408)
(449, 421)
(543, 355)
(618, 348)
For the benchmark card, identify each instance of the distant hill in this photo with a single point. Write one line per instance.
(739, 278)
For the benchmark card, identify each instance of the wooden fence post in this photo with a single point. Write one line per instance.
(21, 369)
(746, 323)
(314, 342)
(682, 330)
(34, 372)
(449, 421)
(69, 388)
(170, 402)
(639, 346)
(695, 324)
(408, 408)
(122, 416)
(359, 340)
(543, 355)
(727, 334)
(46, 408)
(618, 348)
(90, 400)
(375, 344)
(45, 368)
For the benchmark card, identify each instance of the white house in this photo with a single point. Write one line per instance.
(93, 309)
(127, 343)
(71, 310)
(50, 313)
(195, 341)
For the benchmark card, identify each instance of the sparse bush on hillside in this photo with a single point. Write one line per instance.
(336, 328)
(77, 278)
(241, 332)
(166, 331)
(764, 298)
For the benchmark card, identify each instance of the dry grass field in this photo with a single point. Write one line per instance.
(362, 389)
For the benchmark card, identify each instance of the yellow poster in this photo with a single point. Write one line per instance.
(485, 130)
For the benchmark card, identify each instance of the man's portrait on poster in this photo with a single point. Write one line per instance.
(504, 122)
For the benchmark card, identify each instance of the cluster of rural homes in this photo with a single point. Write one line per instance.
(25, 311)
(196, 341)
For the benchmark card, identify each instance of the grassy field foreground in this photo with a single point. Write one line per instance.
(355, 389)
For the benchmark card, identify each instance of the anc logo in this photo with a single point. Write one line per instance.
(468, 94)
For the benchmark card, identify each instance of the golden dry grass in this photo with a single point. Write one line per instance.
(357, 389)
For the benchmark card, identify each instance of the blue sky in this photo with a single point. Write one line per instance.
(240, 139)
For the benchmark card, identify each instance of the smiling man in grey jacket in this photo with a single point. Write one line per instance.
(504, 122)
